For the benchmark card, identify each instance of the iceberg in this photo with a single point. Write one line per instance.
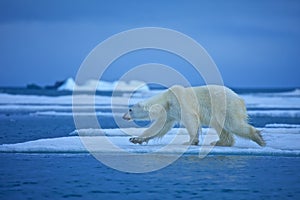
(69, 84)
(90, 85)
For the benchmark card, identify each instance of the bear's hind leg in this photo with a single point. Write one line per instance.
(225, 138)
(247, 131)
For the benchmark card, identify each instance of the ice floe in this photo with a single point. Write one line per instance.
(283, 143)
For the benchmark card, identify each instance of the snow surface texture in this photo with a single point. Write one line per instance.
(70, 84)
(280, 141)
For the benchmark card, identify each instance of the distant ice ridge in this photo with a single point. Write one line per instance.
(283, 126)
(89, 85)
(279, 143)
(276, 101)
(274, 113)
(295, 92)
(55, 113)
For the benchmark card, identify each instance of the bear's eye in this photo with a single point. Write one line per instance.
(130, 110)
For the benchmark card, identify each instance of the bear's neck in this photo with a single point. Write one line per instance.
(157, 99)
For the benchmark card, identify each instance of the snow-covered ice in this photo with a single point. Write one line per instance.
(284, 143)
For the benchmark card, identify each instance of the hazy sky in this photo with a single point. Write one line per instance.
(253, 43)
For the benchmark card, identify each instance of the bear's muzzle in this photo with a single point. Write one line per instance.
(127, 116)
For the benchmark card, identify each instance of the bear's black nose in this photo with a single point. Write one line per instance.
(126, 116)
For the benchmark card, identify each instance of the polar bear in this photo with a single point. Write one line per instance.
(210, 105)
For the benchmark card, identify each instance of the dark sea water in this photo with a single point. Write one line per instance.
(58, 176)
(81, 176)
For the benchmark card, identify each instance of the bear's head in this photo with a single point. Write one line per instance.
(136, 112)
(156, 107)
(143, 112)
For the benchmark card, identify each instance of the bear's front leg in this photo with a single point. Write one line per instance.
(193, 126)
(158, 129)
(139, 140)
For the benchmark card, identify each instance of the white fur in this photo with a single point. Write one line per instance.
(211, 105)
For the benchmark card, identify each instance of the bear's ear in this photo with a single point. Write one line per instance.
(143, 106)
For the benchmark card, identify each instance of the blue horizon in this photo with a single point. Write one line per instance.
(254, 44)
